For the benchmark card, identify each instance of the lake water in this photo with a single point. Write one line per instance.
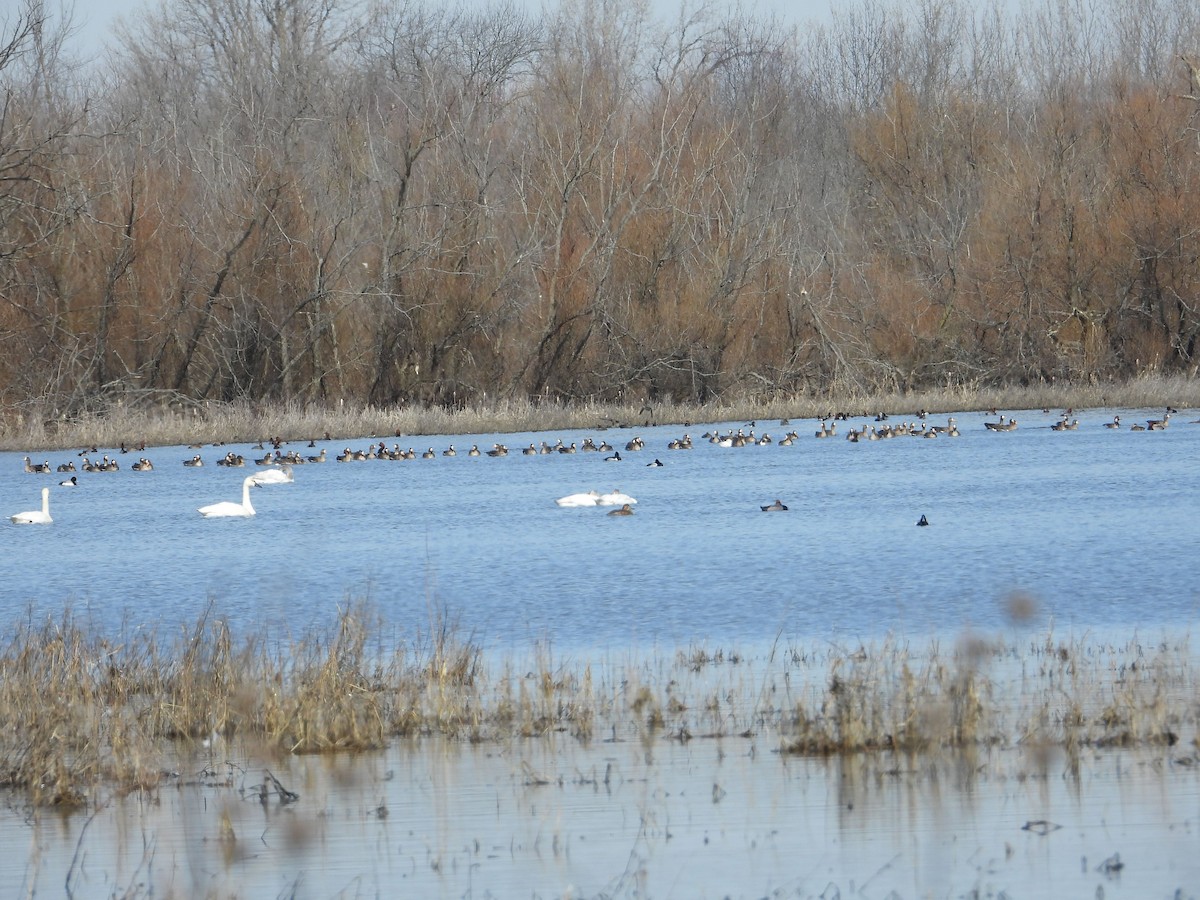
(1096, 524)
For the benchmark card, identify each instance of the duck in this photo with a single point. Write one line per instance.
(922, 521)
(70, 482)
(616, 457)
(625, 510)
(229, 509)
(656, 464)
(36, 516)
(777, 506)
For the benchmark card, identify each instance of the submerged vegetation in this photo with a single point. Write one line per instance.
(85, 715)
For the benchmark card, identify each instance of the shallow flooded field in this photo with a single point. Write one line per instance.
(706, 818)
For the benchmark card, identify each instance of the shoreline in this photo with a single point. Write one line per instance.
(162, 421)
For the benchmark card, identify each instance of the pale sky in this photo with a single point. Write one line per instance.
(94, 17)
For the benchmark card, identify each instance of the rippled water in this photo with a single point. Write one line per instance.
(1096, 524)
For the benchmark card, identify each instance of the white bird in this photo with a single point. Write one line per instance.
(614, 498)
(282, 475)
(591, 498)
(36, 516)
(228, 508)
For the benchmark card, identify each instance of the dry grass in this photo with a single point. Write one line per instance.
(179, 421)
(84, 715)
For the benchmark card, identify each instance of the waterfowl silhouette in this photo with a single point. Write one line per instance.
(656, 463)
(625, 510)
(777, 506)
(229, 509)
(923, 521)
(36, 516)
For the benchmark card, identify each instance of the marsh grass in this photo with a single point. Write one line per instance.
(169, 420)
(85, 716)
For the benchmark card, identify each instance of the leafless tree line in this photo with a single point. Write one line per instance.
(318, 200)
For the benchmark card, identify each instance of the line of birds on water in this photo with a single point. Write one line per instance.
(281, 463)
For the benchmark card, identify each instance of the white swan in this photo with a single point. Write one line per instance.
(282, 475)
(591, 498)
(36, 516)
(615, 498)
(228, 508)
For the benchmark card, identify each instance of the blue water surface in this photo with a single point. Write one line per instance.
(1095, 525)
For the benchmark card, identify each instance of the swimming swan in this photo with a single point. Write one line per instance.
(591, 498)
(228, 508)
(282, 475)
(615, 498)
(36, 516)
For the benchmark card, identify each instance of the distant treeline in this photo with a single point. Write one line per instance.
(317, 201)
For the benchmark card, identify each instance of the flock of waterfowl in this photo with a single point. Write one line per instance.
(276, 464)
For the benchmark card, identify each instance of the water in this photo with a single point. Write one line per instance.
(1095, 524)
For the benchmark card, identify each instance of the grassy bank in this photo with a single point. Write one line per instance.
(170, 420)
(86, 715)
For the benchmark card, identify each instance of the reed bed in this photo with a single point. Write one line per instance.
(84, 715)
(168, 420)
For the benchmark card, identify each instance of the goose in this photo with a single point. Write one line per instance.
(450, 451)
(636, 444)
(474, 451)
(591, 498)
(1151, 424)
(143, 465)
(194, 462)
(70, 482)
(531, 450)
(319, 458)
(39, 468)
(1115, 423)
(68, 466)
(36, 516)
(501, 450)
(428, 454)
(625, 510)
(777, 506)
(282, 475)
(615, 498)
(227, 508)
